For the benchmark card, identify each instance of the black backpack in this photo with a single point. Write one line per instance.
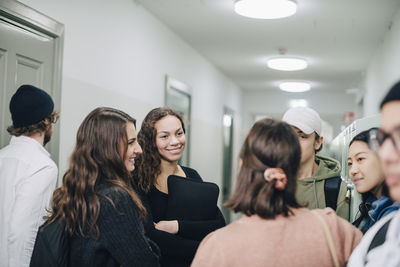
(332, 188)
(51, 246)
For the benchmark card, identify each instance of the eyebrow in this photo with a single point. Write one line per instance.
(362, 152)
(301, 132)
(179, 129)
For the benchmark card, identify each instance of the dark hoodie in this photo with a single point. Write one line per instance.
(310, 190)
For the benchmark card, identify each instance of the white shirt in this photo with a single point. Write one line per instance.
(387, 254)
(27, 179)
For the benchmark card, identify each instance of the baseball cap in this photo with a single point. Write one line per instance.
(304, 118)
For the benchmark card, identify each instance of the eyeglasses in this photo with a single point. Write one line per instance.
(55, 119)
(377, 137)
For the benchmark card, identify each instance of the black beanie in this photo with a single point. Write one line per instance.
(30, 105)
(394, 94)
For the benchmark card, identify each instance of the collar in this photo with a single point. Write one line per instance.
(29, 141)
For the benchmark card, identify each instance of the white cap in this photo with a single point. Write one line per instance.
(304, 118)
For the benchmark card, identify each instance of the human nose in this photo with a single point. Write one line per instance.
(353, 170)
(174, 140)
(138, 149)
(388, 152)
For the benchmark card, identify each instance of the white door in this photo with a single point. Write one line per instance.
(28, 55)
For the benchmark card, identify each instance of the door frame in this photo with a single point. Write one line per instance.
(227, 171)
(25, 17)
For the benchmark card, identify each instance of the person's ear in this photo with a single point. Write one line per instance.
(318, 143)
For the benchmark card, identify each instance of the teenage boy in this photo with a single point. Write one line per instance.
(318, 180)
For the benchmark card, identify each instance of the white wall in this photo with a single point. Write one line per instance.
(384, 69)
(117, 54)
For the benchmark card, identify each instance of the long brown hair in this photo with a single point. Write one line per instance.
(149, 162)
(269, 144)
(96, 160)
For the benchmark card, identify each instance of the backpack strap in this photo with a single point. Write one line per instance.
(379, 237)
(331, 188)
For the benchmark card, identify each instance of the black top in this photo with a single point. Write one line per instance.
(121, 242)
(179, 249)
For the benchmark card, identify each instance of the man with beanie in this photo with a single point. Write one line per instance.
(380, 246)
(27, 174)
(318, 180)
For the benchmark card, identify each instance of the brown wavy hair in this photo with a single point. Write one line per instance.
(269, 144)
(149, 162)
(35, 128)
(96, 160)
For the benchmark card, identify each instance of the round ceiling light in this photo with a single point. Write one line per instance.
(266, 9)
(295, 87)
(287, 64)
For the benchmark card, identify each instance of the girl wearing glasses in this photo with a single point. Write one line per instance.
(366, 173)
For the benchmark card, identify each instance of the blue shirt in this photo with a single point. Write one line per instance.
(380, 208)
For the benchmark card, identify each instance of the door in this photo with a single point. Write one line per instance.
(178, 97)
(30, 53)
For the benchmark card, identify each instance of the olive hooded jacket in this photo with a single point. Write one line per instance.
(311, 190)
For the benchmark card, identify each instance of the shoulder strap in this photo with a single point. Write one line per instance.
(191, 173)
(329, 239)
(331, 188)
(379, 237)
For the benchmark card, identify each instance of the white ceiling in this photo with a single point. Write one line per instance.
(337, 37)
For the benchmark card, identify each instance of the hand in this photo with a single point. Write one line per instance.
(171, 227)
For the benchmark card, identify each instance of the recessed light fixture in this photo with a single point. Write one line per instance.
(266, 9)
(298, 103)
(295, 87)
(287, 63)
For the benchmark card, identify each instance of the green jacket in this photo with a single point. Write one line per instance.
(310, 191)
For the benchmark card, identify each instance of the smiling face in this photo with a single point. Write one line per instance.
(364, 167)
(133, 147)
(170, 138)
(388, 153)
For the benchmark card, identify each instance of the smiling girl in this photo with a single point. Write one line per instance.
(367, 175)
(162, 137)
(96, 203)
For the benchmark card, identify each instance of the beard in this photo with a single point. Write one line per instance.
(47, 136)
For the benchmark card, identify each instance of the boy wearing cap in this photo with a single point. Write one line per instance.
(318, 180)
(380, 246)
(27, 174)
